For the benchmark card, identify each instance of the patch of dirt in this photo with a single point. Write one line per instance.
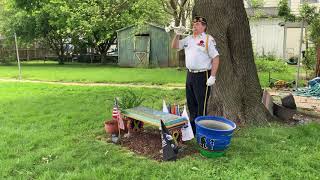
(307, 103)
(148, 144)
(308, 108)
(137, 85)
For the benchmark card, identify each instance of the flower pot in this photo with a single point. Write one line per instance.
(111, 127)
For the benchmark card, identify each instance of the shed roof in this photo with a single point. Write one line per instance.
(151, 24)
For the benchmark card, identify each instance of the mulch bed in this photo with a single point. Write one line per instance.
(148, 144)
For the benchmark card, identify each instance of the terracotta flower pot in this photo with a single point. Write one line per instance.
(111, 127)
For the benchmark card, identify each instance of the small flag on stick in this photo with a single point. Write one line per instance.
(116, 114)
(186, 130)
(164, 107)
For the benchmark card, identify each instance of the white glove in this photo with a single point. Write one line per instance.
(180, 30)
(211, 80)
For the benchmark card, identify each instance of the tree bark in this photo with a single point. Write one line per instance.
(318, 61)
(237, 94)
(56, 43)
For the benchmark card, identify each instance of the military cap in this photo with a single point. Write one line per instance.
(199, 19)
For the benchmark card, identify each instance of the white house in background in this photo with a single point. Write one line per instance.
(270, 35)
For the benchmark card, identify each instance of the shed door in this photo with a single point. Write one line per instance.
(141, 50)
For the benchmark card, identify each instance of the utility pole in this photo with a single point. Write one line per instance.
(300, 50)
(17, 50)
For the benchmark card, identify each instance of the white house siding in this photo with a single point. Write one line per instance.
(266, 3)
(271, 3)
(294, 5)
(267, 37)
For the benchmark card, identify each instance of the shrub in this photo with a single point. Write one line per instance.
(271, 66)
(309, 61)
(130, 99)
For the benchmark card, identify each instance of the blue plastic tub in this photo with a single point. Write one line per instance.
(213, 135)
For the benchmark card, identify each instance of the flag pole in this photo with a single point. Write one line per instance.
(17, 51)
(118, 120)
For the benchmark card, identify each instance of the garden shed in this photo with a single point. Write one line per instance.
(146, 45)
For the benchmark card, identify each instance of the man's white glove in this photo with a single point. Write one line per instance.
(211, 80)
(180, 30)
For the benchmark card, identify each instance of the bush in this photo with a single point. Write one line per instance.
(130, 99)
(8, 59)
(310, 59)
(271, 66)
(268, 57)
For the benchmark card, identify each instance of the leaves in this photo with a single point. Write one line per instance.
(86, 23)
(285, 11)
(271, 66)
(130, 99)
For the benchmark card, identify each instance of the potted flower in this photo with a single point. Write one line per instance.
(111, 127)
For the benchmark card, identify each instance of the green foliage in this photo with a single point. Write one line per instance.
(268, 57)
(315, 30)
(285, 12)
(274, 65)
(308, 13)
(15, 20)
(256, 3)
(130, 99)
(29, 5)
(8, 59)
(37, 20)
(310, 60)
(256, 6)
(84, 23)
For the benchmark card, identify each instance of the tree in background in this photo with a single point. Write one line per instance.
(285, 11)
(315, 36)
(93, 23)
(311, 16)
(39, 20)
(237, 93)
(180, 10)
(256, 7)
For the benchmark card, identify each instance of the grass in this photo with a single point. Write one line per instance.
(53, 132)
(286, 76)
(96, 73)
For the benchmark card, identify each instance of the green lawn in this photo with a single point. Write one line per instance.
(50, 132)
(94, 73)
(97, 73)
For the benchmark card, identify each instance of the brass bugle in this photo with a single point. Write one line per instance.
(169, 28)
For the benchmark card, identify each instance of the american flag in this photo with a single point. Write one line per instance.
(116, 114)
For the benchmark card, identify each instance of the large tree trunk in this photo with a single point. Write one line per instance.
(318, 61)
(237, 94)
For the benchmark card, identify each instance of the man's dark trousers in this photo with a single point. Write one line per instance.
(197, 94)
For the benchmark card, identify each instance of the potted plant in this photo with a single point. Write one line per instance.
(128, 100)
(111, 127)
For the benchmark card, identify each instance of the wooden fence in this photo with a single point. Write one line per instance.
(27, 54)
